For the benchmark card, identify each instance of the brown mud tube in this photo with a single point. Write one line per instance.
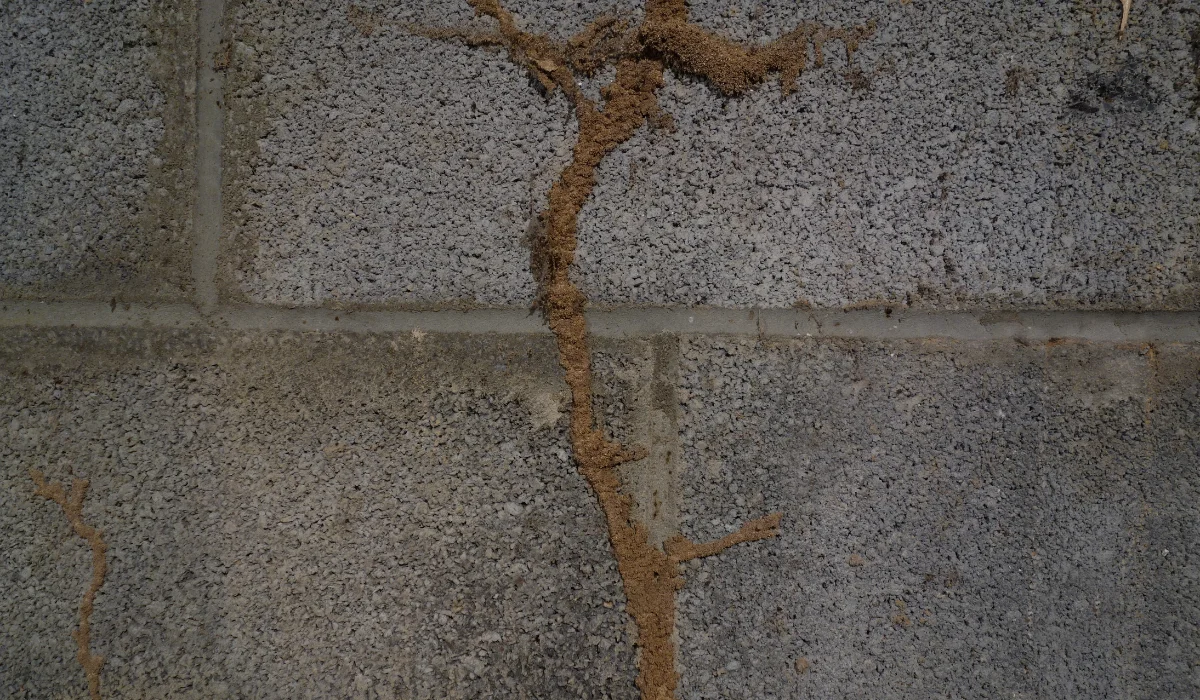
(665, 39)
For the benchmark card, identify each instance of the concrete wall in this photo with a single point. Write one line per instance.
(263, 283)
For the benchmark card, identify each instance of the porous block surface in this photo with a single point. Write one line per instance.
(958, 520)
(303, 516)
(97, 141)
(995, 155)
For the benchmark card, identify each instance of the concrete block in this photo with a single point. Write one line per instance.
(96, 144)
(959, 520)
(369, 166)
(295, 515)
(301, 514)
(988, 155)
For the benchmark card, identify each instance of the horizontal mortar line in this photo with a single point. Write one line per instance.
(1098, 326)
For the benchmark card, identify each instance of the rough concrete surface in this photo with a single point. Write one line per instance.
(294, 515)
(366, 165)
(96, 149)
(264, 283)
(316, 514)
(960, 520)
(976, 155)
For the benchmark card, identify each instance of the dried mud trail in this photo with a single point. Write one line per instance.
(72, 505)
(664, 40)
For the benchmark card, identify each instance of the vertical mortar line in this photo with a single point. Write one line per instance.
(668, 380)
(210, 128)
(654, 482)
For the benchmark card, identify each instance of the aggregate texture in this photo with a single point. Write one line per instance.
(299, 515)
(665, 38)
(414, 515)
(996, 155)
(977, 155)
(304, 515)
(367, 165)
(965, 520)
(97, 149)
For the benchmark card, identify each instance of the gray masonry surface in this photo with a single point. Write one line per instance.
(977, 154)
(298, 515)
(357, 516)
(96, 139)
(960, 520)
(381, 168)
(263, 283)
